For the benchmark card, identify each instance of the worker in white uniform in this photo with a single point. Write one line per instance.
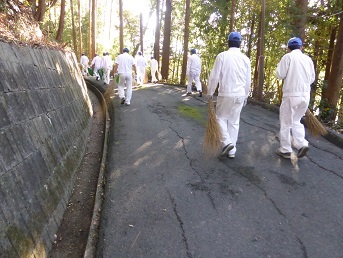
(107, 66)
(141, 66)
(84, 63)
(232, 70)
(123, 65)
(297, 71)
(97, 63)
(154, 70)
(193, 72)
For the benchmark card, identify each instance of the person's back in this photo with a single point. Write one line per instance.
(298, 72)
(84, 60)
(107, 61)
(125, 62)
(154, 69)
(193, 72)
(234, 73)
(232, 70)
(153, 64)
(194, 63)
(140, 64)
(123, 65)
(96, 61)
(84, 63)
(140, 61)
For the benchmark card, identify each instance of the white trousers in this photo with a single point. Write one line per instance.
(95, 72)
(107, 71)
(292, 109)
(125, 79)
(153, 75)
(192, 75)
(140, 74)
(228, 111)
(84, 69)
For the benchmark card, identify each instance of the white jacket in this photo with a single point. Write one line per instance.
(107, 62)
(97, 62)
(84, 60)
(153, 64)
(140, 61)
(232, 70)
(297, 70)
(125, 63)
(194, 64)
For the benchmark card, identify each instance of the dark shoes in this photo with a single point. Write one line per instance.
(226, 149)
(189, 93)
(200, 93)
(122, 101)
(286, 155)
(302, 152)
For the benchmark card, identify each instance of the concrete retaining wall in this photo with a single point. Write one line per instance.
(45, 118)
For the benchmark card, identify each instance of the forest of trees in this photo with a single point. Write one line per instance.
(96, 26)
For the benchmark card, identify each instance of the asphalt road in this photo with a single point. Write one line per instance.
(165, 198)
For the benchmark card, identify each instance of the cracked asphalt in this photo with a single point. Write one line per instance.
(165, 198)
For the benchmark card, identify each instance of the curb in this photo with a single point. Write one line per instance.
(93, 234)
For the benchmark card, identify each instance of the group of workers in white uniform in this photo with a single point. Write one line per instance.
(232, 72)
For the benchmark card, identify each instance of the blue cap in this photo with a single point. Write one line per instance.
(193, 51)
(235, 36)
(126, 50)
(295, 42)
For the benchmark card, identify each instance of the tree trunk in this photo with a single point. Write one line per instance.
(335, 79)
(317, 52)
(166, 41)
(261, 58)
(110, 30)
(90, 53)
(252, 27)
(94, 9)
(80, 32)
(39, 10)
(141, 31)
(157, 33)
(121, 27)
(232, 14)
(73, 26)
(340, 112)
(299, 18)
(61, 22)
(185, 42)
(257, 65)
(329, 62)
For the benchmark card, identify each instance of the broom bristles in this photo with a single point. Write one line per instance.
(212, 141)
(314, 125)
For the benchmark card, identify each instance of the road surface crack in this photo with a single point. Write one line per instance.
(183, 234)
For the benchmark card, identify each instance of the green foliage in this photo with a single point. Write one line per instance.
(209, 28)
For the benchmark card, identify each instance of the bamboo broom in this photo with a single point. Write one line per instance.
(213, 135)
(314, 125)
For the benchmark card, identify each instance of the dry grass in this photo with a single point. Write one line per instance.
(18, 26)
(212, 143)
(314, 125)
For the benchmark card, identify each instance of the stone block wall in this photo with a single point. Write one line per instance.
(45, 118)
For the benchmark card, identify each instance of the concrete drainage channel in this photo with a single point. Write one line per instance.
(90, 250)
